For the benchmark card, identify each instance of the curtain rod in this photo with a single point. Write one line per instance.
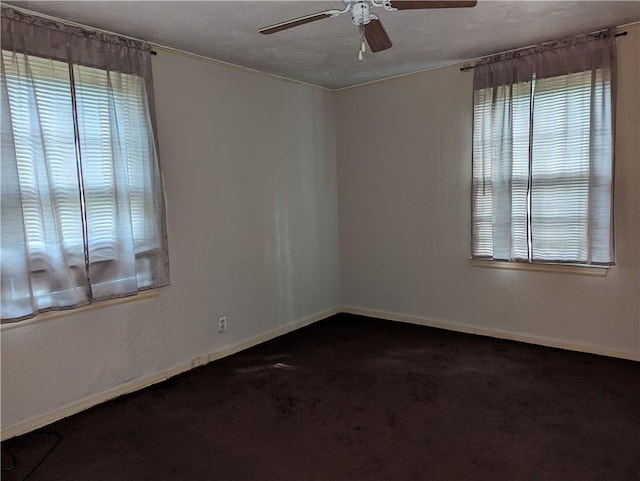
(466, 68)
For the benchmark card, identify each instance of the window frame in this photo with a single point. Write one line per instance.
(531, 262)
(104, 254)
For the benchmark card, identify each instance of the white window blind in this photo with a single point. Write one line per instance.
(542, 168)
(109, 154)
(84, 195)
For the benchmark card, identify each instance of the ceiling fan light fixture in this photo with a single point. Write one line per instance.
(360, 13)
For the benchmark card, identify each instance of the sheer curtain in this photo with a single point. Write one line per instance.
(543, 153)
(82, 200)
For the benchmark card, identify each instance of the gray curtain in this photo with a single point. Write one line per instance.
(83, 215)
(46, 38)
(543, 152)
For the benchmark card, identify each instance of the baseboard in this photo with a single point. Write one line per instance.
(75, 407)
(41, 420)
(490, 332)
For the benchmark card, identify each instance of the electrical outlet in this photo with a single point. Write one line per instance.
(222, 324)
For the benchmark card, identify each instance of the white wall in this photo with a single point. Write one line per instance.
(404, 203)
(250, 175)
(250, 180)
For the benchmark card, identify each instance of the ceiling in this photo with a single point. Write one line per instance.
(325, 53)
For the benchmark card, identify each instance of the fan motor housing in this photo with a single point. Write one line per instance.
(360, 13)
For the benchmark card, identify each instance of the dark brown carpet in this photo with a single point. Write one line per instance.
(353, 398)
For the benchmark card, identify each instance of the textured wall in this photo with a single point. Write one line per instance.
(250, 172)
(404, 189)
(250, 178)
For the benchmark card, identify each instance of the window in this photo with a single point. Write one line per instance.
(82, 202)
(543, 159)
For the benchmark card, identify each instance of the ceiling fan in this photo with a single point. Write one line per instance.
(369, 24)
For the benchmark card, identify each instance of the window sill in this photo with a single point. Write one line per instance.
(594, 271)
(148, 294)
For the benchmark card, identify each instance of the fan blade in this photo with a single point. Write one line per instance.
(417, 4)
(297, 21)
(376, 36)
